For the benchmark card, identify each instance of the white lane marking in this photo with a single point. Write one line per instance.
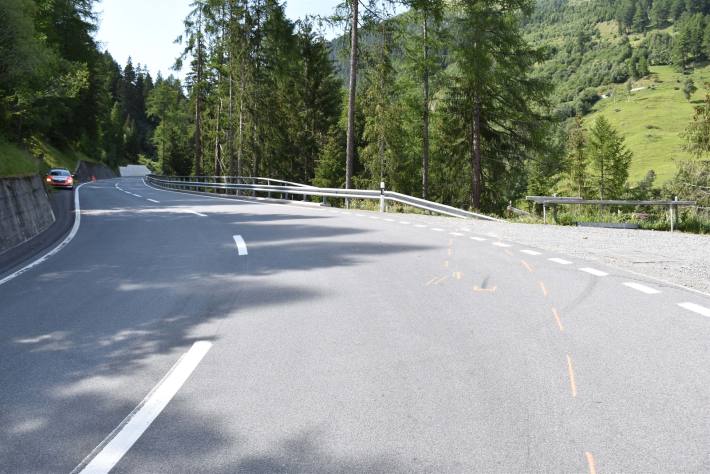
(153, 200)
(241, 245)
(360, 215)
(197, 213)
(138, 195)
(62, 244)
(530, 252)
(561, 261)
(478, 239)
(642, 288)
(375, 218)
(501, 244)
(390, 220)
(437, 229)
(465, 229)
(404, 222)
(696, 308)
(456, 234)
(117, 444)
(421, 226)
(594, 271)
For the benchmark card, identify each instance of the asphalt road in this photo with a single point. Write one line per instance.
(341, 341)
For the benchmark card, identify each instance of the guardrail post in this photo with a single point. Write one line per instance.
(382, 196)
(544, 213)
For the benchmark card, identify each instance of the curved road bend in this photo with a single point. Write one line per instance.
(341, 341)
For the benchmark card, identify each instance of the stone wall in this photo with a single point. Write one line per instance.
(25, 210)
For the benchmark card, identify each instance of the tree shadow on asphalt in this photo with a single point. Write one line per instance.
(69, 353)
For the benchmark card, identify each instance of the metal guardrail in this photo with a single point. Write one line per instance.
(554, 200)
(237, 183)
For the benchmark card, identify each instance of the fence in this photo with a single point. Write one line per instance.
(286, 189)
(554, 201)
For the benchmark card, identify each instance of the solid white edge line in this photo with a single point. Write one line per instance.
(642, 288)
(696, 308)
(62, 244)
(118, 442)
(241, 245)
(594, 271)
(561, 261)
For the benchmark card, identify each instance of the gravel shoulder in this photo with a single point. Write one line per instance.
(673, 257)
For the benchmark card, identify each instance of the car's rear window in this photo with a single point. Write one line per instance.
(59, 173)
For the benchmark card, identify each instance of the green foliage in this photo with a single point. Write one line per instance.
(697, 134)
(609, 159)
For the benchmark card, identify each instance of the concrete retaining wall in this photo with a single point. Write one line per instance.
(25, 210)
(134, 170)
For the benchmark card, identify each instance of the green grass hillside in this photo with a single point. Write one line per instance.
(15, 161)
(653, 118)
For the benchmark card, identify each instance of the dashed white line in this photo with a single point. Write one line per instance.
(561, 261)
(241, 245)
(594, 271)
(501, 244)
(375, 218)
(404, 222)
(113, 448)
(390, 220)
(478, 239)
(153, 200)
(642, 288)
(696, 308)
(437, 229)
(530, 252)
(421, 226)
(360, 215)
(456, 234)
(138, 195)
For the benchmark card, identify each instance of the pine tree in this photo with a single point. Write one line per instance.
(609, 159)
(494, 96)
(577, 162)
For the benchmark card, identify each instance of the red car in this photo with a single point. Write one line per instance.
(59, 178)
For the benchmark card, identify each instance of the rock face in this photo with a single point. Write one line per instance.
(25, 210)
(134, 170)
(85, 171)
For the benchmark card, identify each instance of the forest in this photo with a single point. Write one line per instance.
(469, 103)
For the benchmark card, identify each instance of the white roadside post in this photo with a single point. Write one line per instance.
(382, 196)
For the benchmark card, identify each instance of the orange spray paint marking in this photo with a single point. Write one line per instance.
(458, 275)
(527, 266)
(508, 252)
(557, 318)
(431, 281)
(570, 370)
(544, 290)
(590, 463)
(485, 290)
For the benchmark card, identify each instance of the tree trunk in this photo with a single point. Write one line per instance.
(198, 100)
(350, 152)
(217, 146)
(475, 152)
(425, 117)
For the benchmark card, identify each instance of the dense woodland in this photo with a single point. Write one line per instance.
(471, 103)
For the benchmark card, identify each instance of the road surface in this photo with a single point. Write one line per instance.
(182, 333)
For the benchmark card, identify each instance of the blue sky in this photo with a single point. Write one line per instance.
(146, 29)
